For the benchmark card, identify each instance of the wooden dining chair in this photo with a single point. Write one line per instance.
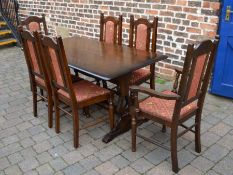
(34, 23)
(143, 36)
(111, 29)
(76, 95)
(37, 72)
(173, 109)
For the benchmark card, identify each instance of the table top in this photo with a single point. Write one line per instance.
(105, 61)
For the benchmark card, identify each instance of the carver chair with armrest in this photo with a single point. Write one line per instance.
(37, 71)
(76, 95)
(143, 36)
(173, 109)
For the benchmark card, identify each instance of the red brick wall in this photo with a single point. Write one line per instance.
(180, 21)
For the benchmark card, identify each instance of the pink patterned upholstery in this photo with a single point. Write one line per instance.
(34, 26)
(139, 75)
(197, 76)
(33, 59)
(141, 37)
(163, 109)
(109, 32)
(85, 90)
(56, 67)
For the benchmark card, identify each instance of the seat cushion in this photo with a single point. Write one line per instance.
(162, 108)
(138, 75)
(85, 90)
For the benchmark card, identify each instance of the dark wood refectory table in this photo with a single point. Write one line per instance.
(111, 63)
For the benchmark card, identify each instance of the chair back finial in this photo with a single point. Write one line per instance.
(33, 23)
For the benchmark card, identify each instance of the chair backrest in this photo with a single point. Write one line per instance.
(55, 57)
(33, 58)
(196, 72)
(140, 34)
(111, 29)
(33, 23)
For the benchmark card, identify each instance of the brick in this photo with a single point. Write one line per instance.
(224, 167)
(163, 168)
(127, 170)
(106, 168)
(215, 153)
(28, 164)
(141, 165)
(72, 157)
(75, 169)
(58, 164)
(90, 162)
(190, 170)
(45, 169)
(202, 164)
(120, 161)
(13, 170)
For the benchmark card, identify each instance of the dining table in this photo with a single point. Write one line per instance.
(109, 62)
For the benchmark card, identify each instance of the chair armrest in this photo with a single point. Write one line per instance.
(154, 93)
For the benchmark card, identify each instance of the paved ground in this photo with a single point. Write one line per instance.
(27, 146)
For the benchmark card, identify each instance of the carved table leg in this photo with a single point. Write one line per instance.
(124, 121)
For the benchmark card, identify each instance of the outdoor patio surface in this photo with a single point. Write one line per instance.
(28, 146)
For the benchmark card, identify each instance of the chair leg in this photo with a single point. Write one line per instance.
(75, 127)
(152, 82)
(50, 111)
(97, 82)
(164, 129)
(34, 95)
(174, 149)
(111, 112)
(57, 115)
(198, 133)
(134, 131)
(86, 112)
(76, 73)
(42, 93)
(105, 84)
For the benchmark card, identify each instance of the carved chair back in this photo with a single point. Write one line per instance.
(57, 65)
(111, 29)
(140, 34)
(33, 23)
(35, 64)
(196, 74)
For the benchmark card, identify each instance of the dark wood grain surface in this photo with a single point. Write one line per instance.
(105, 61)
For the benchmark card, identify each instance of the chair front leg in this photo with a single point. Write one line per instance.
(57, 114)
(198, 132)
(34, 96)
(134, 112)
(174, 149)
(50, 111)
(75, 126)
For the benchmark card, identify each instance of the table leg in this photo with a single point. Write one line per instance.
(124, 120)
